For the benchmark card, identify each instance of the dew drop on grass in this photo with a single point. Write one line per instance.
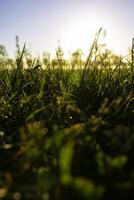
(16, 196)
(3, 192)
(2, 134)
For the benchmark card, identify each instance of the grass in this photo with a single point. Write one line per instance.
(66, 130)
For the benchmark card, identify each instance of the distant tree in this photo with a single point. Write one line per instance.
(59, 53)
(76, 58)
(3, 56)
(3, 51)
(46, 59)
(60, 57)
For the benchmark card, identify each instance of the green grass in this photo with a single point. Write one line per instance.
(67, 131)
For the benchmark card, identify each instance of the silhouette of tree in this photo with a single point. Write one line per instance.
(3, 51)
(76, 58)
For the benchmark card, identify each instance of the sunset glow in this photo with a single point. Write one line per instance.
(41, 24)
(78, 33)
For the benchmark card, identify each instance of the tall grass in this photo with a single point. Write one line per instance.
(66, 131)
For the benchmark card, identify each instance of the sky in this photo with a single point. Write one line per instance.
(44, 24)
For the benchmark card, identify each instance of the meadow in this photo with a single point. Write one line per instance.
(67, 126)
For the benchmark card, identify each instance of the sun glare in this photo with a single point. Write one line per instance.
(80, 33)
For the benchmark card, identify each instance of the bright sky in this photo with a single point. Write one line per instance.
(41, 23)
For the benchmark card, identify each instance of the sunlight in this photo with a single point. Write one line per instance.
(80, 33)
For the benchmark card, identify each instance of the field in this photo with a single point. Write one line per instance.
(67, 127)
